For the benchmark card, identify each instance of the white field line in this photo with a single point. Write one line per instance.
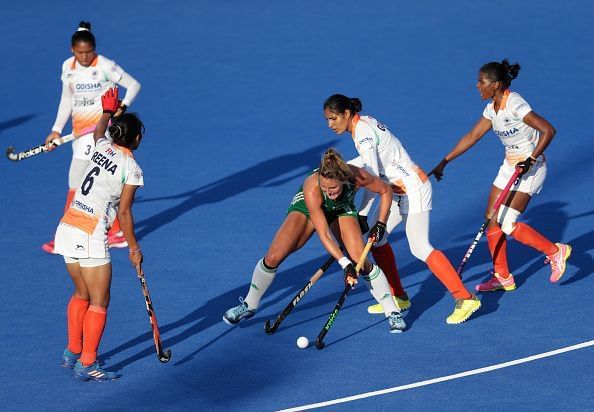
(443, 378)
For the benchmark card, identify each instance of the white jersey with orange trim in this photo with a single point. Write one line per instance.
(82, 232)
(384, 155)
(519, 139)
(87, 85)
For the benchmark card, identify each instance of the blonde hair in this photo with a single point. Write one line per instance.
(333, 166)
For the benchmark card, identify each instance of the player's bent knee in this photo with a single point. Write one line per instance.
(507, 218)
(421, 252)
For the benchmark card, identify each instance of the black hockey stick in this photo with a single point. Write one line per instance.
(512, 181)
(320, 339)
(163, 355)
(42, 148)
(270, 329)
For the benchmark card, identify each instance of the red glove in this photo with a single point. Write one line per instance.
(109, 101)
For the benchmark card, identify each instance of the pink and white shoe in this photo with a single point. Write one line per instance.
(557, 261)
(116, 240)
(48, 246)
(497, 282)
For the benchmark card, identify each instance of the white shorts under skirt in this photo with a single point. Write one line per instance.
(74, 243)
(88, 262)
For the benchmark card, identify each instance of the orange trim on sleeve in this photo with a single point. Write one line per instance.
(81, 220)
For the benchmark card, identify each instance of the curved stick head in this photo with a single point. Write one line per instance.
(267, 328)
(320, 344)
(165, 356)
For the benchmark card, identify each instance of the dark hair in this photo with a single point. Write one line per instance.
(333, 166)
(338, 103)
(501, 72)
(83, 34)
(125, 128)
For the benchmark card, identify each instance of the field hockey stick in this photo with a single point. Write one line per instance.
(163, 356)
(42, 148)
(320, 339)
(270, 329)
(514, 179)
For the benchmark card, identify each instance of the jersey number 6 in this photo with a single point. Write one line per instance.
(85, 188)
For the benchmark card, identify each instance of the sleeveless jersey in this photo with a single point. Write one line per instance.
(519, 139)
(96, 201)
(87, 85)
(373, 140)
(343, 205)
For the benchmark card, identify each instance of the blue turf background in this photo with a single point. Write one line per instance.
(231, 98)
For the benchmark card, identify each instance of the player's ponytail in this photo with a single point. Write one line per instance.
(503, 72)
(338, 103)
(83, 35)
(125, 128)
(333, 166)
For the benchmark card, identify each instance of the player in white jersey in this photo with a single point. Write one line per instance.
(383, 155)
(85, 77)
(108, 188)
(525, 136)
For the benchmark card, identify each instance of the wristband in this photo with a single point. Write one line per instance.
(133, 252)
(344, 262)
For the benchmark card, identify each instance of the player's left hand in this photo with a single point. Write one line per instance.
(377, 232)
(525, 165)
(109, 101)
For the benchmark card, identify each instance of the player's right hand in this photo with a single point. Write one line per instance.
(438, 170)
(136, 257)
(109, 101)
(350, 275)
(53, 135)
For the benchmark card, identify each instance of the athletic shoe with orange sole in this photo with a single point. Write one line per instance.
(557, 261)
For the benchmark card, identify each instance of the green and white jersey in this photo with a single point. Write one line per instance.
(344, 205)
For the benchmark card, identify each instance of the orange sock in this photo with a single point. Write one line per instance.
(69, 198)
(498, 248)
(92, 331)
(530, 237)
(442, 268)
(75, 313)
(384, 257)
(115, 228)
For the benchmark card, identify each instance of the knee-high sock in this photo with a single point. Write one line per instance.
(75, 313)
(69, 198)
(384, 257)
(442, 268)
(93, 327)
(380, 289)
(261, 280)
(498, 248)
(530, 237)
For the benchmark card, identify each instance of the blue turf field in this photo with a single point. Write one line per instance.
(232, 95)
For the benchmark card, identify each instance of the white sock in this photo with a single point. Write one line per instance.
(261, 280)
(380, 289)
